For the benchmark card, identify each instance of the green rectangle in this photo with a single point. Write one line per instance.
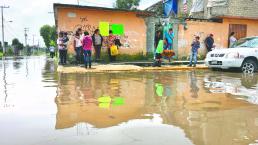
(104, 28)
(118, 29)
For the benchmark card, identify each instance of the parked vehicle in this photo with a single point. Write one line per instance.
(243, 55)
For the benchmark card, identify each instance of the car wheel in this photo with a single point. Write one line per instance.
(249, 66)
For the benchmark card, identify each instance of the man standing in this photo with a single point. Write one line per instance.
(194, 52)
(209, 41)
(169, 37)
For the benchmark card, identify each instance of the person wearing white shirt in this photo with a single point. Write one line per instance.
(52, 51)
(232, 39)
(78, 47)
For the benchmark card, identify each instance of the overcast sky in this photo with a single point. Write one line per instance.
(33, 14)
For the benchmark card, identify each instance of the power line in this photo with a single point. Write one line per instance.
(18, 35)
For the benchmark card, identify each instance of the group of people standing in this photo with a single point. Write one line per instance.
(162, 45)
(209, 43)
(83, 45)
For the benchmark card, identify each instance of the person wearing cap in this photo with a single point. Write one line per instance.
(209, 41)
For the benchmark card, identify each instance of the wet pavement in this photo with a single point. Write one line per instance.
(39, 106)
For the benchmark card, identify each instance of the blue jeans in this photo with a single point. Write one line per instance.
(193, 57)
(169, 46)
(87, 57)
(78, 51)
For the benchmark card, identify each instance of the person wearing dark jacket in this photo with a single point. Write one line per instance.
(209, 41)
(158, 36)
(194, 52)
(97, 43)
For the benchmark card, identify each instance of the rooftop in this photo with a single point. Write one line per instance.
(59, 5)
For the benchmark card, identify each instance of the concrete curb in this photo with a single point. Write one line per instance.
(124, 68)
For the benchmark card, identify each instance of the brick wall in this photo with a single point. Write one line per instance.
(239, 8)
(246, 8)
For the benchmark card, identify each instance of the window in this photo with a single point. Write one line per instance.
(247, 42)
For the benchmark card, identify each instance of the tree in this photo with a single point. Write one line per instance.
(15, 42)
(17, 46)
(127, 4)
(48, 34)
(1, 47)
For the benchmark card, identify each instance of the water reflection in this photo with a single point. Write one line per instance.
(243, 86)
(182, 108)
(4, 83)
(189, 100)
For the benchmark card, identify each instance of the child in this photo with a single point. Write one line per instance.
(159, 51)
(194, 52)
(52, 51)
(87, 48)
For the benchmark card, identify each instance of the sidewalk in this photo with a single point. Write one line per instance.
(121, 67)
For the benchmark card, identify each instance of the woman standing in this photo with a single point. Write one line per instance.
(97, 43)
(111, 42)
(87, 48)
(78, 47)
(61, 48)
(232, 39)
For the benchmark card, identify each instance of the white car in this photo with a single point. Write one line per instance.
(243, 55)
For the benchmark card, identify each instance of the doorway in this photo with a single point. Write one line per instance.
(239, 29)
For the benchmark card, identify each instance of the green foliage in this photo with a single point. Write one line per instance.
(17, 44)
(127, 4)
(134, 57)
(48, 34)
(15, 41)
(201, 57)
(1, 54)
(186, 58)
(128, 57)
(120, 57)
(9, 52)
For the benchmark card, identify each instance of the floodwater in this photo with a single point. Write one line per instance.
(38, 106)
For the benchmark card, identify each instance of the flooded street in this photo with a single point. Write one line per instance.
(38, 106)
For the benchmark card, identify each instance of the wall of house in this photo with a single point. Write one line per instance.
(203, 29)
(134, 40)
(243, 8)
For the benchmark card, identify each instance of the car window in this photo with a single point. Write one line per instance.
(247, 42)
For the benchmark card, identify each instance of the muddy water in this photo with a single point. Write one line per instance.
(40, 107)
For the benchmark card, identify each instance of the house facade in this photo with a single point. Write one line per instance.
(69, 18)
(219, 17)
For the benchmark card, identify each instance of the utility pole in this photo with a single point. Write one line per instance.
(26, 39)
(26, 35)
(78, 2)
(33, 46)
(38, 44)
(2, 10)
